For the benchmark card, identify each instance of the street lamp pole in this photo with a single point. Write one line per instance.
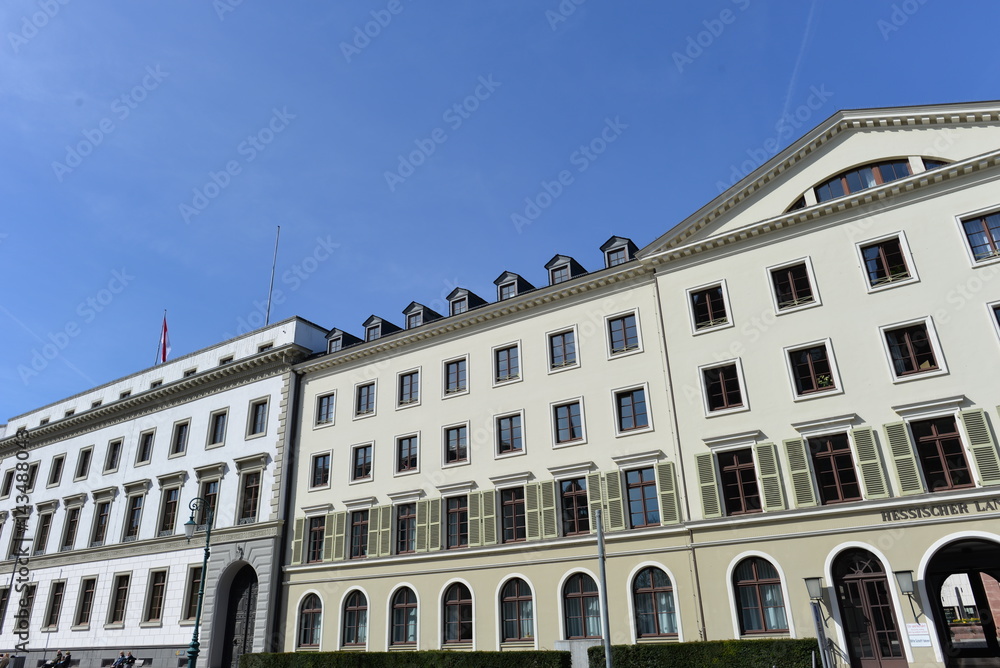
(208, 514)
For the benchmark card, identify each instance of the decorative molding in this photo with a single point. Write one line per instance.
(932, 407)
(209, 471)
(732, 440)
(101, 494)
(406, 496)
(826, 425)
(249, 462)
(44, 506)
(75, 500)
(572, 470)
(457, 487)
(361, 503)
(511, 479)
(168, 479)
(137, 487)
(318, 509)
(648, 458)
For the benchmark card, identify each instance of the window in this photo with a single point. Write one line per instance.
(506, 364)
(362, 469)
(459, 306)
(335, 345)
(739, 482)
(124, 394)
(885, 262)
(373, 332)
(144, 452)
(581, 607)
(310, 618)
(861, 178)
(406, 454)
(356, 618)
(4, 600)
(217, 428)
(42, 533)
(70, 412)
(509, 435)
(55, 472)
(559, 274)
(155, 384)
(708, 307)
(179, 440)
(455, 377)
(617, 256)
(155, 596)
(792, 286)
(83, 464)
(409, 388)
(833, 464)
(317, 532)
(414, 320)
(575, 512)
(325, 406)
(562, 349)
(404, 618)
(17, 537)
(85, 604)
(910, 350)
(133, 515)
(96, 403)
(28, 599)
(941, 454)
(32, 476)
(722, 388)
(811, 370)
(623, 334)
(191, 593)
(983, 235)
(568, 422)
(630, 406)
(69, 529)
(249, 497)
(457, 522)
(507, 291)
(210, 493)
(227, 360)
(119, 599)
(112, 456)
(365, 399)
(44, 421)
(457, 614)
(359, 534)
(456, 445)
(168, 513)
(512, 517)
(643, 506)
(758, 597)
(320, 470)
(406, 528)
(190, 372)
(56, 592)
(8, 483)
(264, 347)
(102, 515)
(653, 601)
(258, 418)
(517, 611)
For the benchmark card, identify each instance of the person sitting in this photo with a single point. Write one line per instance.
(4, 660)
(55, 661)
(129, 660)
(66, 662)
(120, 661)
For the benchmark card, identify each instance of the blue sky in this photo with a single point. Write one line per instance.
(151, 149)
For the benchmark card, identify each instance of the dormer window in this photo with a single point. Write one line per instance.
(414, 320)
(190, 372)
(96, 403)
(334, 345)
(459, 306)
(617, 256)
(559, 274)
(43, 421)
(226, 360)
(125, 394)
(862, 178)
(507, 290)
(373, 332)
(70, 412)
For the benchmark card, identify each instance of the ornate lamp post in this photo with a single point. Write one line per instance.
(199, 504)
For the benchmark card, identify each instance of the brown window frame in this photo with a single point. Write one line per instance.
(403, 601)
(320, 475)
(355, 618)
(506, 364)
(630, 406)
(989, 228)
(652, 591)
(362, 469)
(641, 489)
(911, 350)
(512, 516)
(407, 453)
(516, 611)
(409, 388)
(574, 595)
(456, 376)
(118, 606)
(573, 429)
(942, 449)
(456, 444)
(792, 286)
(406, 528)
(457, 602)
(572, 501)
(364, 399)
(882, 267)
(314, 544)
(623, 334)
(310, 621)
(741, 494)
(755, 585)
(562, 349)
(359, 534)
(708, 307)
(720, 393)
(510, 436)
(833, 466)
(456, 522)
(817, 371)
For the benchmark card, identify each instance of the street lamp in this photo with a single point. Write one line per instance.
(815, 588)
(208, 515)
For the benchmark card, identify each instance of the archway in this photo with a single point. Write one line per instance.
(870, 624)
(241, 613)
(963, 585)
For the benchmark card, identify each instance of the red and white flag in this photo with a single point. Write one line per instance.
(164, 348)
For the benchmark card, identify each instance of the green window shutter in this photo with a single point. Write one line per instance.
(550, 524)
(705, 464)
(421, 538)
(798, 465)
(489, 517)
(339, 532)
(616, 510)
(902, 456)
(434, 525)
(475, 501)
(770, 476)
(870, 462)
(595, 498)
(374, 523)
(984, 450)
(328, 536)
(532, 508)
(300, 526)
(667, 484)
(385, 532)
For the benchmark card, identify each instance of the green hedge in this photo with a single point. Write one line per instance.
(763, 653)
(422, 659)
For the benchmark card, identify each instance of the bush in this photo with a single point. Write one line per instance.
(421, 659)
(763, 653)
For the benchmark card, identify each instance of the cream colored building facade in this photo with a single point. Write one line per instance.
(798, 381)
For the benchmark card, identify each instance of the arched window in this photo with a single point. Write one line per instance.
(653, 598)
(517, 611)
(457, 614)
(758, 595)
(581, 607)
(310, 619)
(356, 619)
(404, 618)
(861, 178)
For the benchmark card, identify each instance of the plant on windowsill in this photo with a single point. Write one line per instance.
(824, 380)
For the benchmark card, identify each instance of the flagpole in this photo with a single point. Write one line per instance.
(270, 287)
(159, 339)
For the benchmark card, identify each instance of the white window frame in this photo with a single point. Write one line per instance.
(965, 238)
(709, 413)
(419, 315)
(373, 332)
(245, 470)
(105, 469)
(420, 387)
(493, 363)
(553, 421)
(138, 447)
(266, 401)
(834, 370)
(993, 312)
(496, 435)
(445, 394)
(142, 511)
(62, 470)
(396, 473)
(445, 464)
(340, 345)
(312, 468)
(208, 434)
(634, 312)
(173, 437)
(689, 307)
(354, 400)
(617, 418)
(904, 246)
(817, 300)
(455, 302)
(548, 349)
(90, 462)
(351, 480)
(504, 285)
(167, 484)
(932, 336)
(333, 417)
(569, 273)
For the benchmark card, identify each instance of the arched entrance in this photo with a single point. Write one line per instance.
(963, 585)
(870, 624)
(241, 613)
